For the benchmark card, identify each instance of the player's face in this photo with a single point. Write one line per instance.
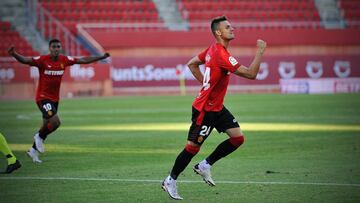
(227, 31)
(55, 49)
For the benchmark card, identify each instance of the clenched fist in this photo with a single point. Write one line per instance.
(261, 44)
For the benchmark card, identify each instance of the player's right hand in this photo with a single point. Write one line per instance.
(11, 50)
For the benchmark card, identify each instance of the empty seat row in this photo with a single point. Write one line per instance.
(10, 37)
(250, 5)
(94, 6)
(257, 16)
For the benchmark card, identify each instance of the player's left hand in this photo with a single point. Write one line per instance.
(261, 44)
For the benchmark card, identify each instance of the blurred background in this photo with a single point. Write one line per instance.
(313, 45)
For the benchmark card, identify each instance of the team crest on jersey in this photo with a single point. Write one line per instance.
(207, 58)
(233, 61)
(36, 57)
(62, 66)
(200, 139)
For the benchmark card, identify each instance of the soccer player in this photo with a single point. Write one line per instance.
(51, 69)
(208, 111)
(13, 163)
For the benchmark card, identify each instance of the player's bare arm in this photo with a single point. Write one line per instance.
(193, 65)
(91, 59)
(251, 71)
(22, 59)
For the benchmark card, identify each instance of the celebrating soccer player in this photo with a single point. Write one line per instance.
(51, 69)
(208, 111)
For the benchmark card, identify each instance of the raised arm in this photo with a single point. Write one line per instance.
(90, 59)
(22, 59)
(251, 71)
(193, 65)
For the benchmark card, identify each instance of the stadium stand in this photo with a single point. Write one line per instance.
(98, 11)
(264, 14)
(350, 12)
(10, 37)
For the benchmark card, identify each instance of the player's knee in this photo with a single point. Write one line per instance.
(58, 123)
(192, 149)
(237, 141)
(53, 125)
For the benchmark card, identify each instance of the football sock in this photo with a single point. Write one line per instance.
(32, 149)
(4, 148)
(46, 129)
(33, 146)
(183, 160)
(204, 165)
(224, 149)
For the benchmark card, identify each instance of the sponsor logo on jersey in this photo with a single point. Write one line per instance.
(207, 58)
(200, 139)
(70, 58)
(233, 61)
(53, 72)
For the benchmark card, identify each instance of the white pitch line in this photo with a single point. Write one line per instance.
(181, 181)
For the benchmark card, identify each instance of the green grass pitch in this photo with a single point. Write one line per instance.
(299, 148)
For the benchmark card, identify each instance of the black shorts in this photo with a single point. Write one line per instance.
(221, 121)
(48, 108)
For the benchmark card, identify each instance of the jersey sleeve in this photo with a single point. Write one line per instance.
(37, 61)
(69, 60)
(228, 62)
(202, 55)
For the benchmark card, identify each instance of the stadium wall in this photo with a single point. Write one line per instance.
(18, 81)
(152, 62)
(276, 37)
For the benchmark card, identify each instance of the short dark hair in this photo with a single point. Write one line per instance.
(54, 41)
(215, 23)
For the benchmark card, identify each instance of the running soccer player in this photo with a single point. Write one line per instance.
(51, 69)
(208, 111)
(13, 163)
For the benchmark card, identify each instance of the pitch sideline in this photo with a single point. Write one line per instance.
(183, 181)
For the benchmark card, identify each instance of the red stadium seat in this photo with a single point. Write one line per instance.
(253, 11)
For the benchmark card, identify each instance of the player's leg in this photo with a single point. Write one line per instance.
(200, 129)
(13, 163)
(196, 136)
(225, 123)
(236, 139)
(181, 162)
(49, 126)
(51, 122)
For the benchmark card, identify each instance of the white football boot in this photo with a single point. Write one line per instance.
(32, 153)
(169, 185)
(203, 169)
(39, 142)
